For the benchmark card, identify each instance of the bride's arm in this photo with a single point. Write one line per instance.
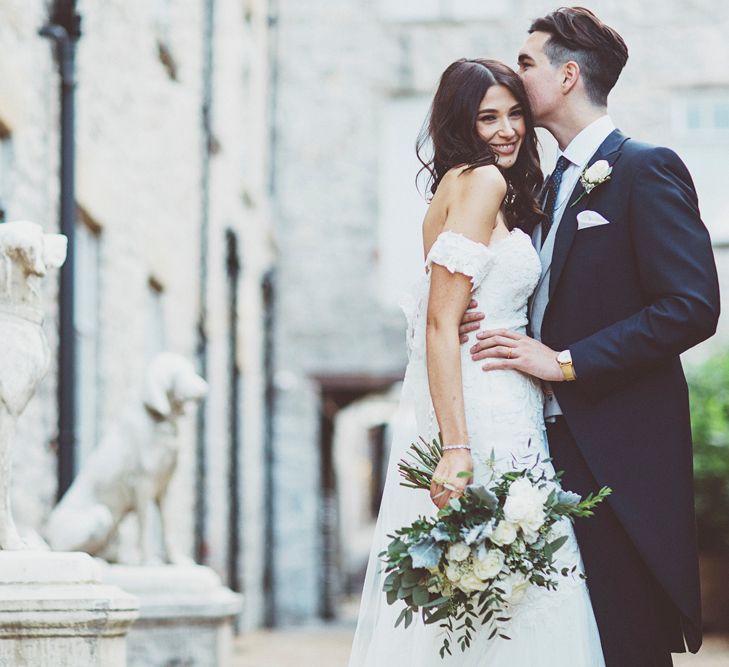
(474, 201)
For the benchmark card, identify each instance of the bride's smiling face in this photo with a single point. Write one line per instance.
(500, 122)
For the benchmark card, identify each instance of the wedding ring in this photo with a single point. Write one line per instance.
(511, 349)
(438, 480)
(448, 486)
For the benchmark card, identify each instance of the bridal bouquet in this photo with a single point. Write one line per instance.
(481, 552)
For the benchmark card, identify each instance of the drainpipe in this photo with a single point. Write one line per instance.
(64, 29)
(208, 143)
(268, 288)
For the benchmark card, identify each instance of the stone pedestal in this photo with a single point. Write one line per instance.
(185, 619)
(55, 612)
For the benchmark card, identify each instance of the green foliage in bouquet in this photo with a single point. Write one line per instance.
(709, 392)
(463, 567)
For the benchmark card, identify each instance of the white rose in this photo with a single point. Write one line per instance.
(453, 572)
(524, 503)
(598, 172)
(458, 552)
(505, 533)
(490, 565)
(534, 521)
(517, 508)
(471, 583)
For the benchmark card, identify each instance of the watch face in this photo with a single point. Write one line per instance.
(564, 357)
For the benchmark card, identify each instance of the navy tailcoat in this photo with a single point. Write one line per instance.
(627, 298)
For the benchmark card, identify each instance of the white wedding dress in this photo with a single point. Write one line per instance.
(504, 415)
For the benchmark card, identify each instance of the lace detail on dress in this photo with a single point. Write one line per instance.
(504, 417)
(459, 254)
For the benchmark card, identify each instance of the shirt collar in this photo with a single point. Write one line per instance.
(585, 144)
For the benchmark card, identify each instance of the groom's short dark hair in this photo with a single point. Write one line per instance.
(577, 34)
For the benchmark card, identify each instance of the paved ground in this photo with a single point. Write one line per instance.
(328, 646)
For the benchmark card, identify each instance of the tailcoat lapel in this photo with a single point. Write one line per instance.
(609, 150)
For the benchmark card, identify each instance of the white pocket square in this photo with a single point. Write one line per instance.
(586, 219)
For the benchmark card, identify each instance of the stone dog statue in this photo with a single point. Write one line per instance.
(26, 254)
(130, 469)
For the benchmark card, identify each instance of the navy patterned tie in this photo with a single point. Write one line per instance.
(555, 180)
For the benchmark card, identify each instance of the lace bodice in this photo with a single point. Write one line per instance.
(503, 408)
(503, 276)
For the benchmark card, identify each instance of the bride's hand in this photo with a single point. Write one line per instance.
(446, 483)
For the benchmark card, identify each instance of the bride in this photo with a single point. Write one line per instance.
(485, 177)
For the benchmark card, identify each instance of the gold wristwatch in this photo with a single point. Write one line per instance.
(564, 359)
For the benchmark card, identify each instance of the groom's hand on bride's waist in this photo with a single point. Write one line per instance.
(471, 321)
(504, 349)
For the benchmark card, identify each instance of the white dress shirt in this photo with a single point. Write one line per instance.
(578, 152)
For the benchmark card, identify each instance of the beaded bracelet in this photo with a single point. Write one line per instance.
(459, 446)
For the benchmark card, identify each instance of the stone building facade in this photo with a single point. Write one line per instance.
(173, 243)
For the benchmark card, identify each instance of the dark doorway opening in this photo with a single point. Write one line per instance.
(337, 392)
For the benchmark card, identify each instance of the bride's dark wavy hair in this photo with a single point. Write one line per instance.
(450, 133)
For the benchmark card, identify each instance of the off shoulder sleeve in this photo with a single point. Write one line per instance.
(459, 254)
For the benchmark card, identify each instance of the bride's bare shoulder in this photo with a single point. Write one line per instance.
(484, 184)
(486, 177)
(466, 201)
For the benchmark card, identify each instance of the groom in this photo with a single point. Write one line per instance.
(628, 283)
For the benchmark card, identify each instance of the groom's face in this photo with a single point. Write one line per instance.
(542, 80)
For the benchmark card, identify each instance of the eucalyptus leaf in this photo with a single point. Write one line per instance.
(426, 553)
(396, 549)
(440, 534)
(390, 581)
(568, 498)
(477, 533)
(554, 545)
(421, 596)
(435, 602)
(439, 615)
(485, 495)
(411, 577)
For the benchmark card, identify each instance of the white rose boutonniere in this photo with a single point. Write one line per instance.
(594, 175)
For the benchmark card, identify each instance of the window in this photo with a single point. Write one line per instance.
(701, 128)
(702, 114)
(86, 319)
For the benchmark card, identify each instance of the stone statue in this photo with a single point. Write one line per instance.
(26, 254)
(130, 469)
